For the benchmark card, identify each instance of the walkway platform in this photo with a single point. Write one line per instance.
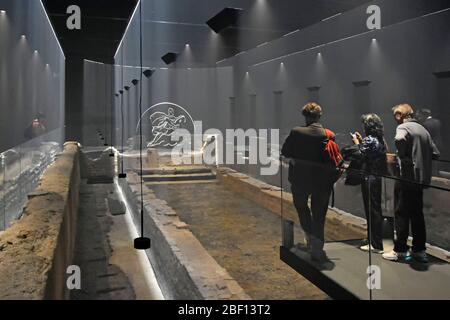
(346, 276)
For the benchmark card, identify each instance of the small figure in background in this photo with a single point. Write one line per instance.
(36, 128)
(433, 125)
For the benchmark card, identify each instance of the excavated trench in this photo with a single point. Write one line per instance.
(240, 235)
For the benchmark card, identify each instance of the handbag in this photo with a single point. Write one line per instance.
(354, 173)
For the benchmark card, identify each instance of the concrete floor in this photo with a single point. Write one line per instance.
(242, 237)
(111, 269)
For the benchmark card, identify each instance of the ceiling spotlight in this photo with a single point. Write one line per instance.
(23, 36)
(373, 39)
(121, 91)
(148, 73)
(135, 81)
(187, 45)
(35, 51)
(224, 19)
(169, 57)
(2, 11)
(126, 88)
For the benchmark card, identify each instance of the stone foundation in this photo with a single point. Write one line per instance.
(36, 251)
(184, 269)
(339, 226)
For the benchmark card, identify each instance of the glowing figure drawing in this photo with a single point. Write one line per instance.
(163, 126)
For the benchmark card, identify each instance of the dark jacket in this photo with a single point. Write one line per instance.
(371, 152)
(305, 147)
(434, 127)
(415, 150)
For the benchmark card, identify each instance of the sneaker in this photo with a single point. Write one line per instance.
(395, 256)
(319, 257)
(420, 256)
(367, 248)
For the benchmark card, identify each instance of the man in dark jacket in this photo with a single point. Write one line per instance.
(305, 147)
(416, 151)
(434, 127)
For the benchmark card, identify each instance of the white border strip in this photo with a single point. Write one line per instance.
(128, 26)
(51, 27)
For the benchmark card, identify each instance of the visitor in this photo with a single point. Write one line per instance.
(36, 128)
(370, 152)
(305, 148)
(415, 152)
(434, 127)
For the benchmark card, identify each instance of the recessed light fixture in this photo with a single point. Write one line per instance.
(187, 45)
(2, 11)
(148, 73)
(374, 39)
(169, 57)
(224, 19)
(23, 36)
(35, 51)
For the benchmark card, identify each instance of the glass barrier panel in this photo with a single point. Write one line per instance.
(21, 170)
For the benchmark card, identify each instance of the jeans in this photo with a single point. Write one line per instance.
(312, 219)
(371, 191)
(409, 209)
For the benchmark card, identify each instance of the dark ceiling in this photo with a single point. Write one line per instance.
(173, 23)
(103, 23)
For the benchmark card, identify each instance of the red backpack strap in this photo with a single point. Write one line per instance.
(330, 134)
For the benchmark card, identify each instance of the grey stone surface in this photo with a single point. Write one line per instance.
(183, 267)
(100, 280)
